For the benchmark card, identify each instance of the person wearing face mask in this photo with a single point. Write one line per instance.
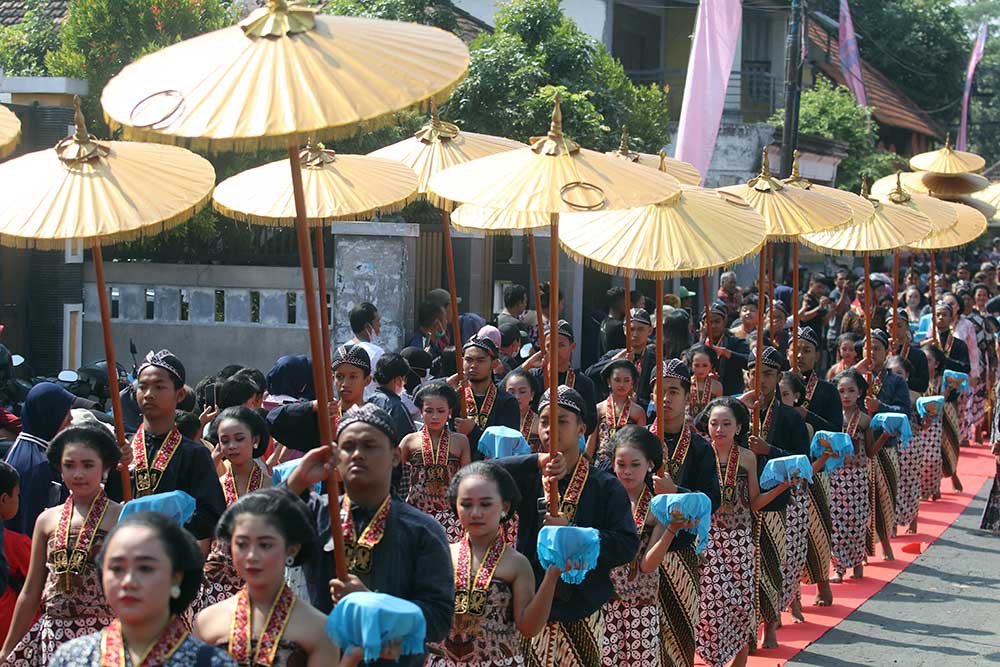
(366, 323)
(242, 435)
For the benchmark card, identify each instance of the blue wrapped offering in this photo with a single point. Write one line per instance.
(558, 544)
(786, 469)
(177, 505)
(924, 403)
(371, 620)
(840, 443)
(956, 380)
(895, 423)
(283, 471)
(499, 441)
(692, 506)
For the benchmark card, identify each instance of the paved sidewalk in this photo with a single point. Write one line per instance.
(943, 610)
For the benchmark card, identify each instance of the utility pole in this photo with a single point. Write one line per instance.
(793, 92)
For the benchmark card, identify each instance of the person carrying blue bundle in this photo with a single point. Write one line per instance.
(392, 547)
(727, 589)
(588, 497)
(908, 496)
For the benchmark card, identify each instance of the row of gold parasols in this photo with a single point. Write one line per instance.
(286, 76)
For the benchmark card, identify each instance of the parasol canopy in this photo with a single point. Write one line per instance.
(10, 131)
(990, 195)
(861, 207)
(692, 232)
(890, 226)
(439, 145)
(553, 175)
(985, 208)
(337, 187)
(969, 226)
(947, 160)
(101, 192)
(476, 219)
(281, 76)
(939, 212)
(789, 211)
(926, 182)
(685, 172)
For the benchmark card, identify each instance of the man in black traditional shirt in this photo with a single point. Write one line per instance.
(485, 404)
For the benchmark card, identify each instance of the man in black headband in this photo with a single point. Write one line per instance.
(733, 352)
(574, 379)
(162, 459)
(392, 548)
(903, 346)
(638, 351)
(485, 403)
(590, 498)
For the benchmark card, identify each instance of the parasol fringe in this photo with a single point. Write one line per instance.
(845, 253)
(283, 141)
(269, 221)
(603, 267)
(498, 232)
(21, 242)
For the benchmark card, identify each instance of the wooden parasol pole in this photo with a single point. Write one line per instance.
(538, 295)
(456, 328)
(553, 369)
(868, 310)
(109, 359)
(316, 350)
(895, 299)
(660, 426)
(324, 318)
(761, 278)
(795, 306)
(706, 301)
(933, 300)
(628, 316)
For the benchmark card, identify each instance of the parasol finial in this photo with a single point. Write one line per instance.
(663, 161)
(81, 134)
(795, 165)
(623, 151)
(315, 155)
(623, 146)
(864, 187)
(80, 147)
(947, 142)
(554, 143)
(279, 18)
(435, 129)
(899, 195)
(765, 165)
(763, 182)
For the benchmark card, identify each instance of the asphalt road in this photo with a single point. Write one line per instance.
(943, 610)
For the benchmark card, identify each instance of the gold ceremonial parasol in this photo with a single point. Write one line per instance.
(553, 176)
(100, 193)
(947, 160)
(282, 76)
(987, 209)
(939, 212)
(990, 195)
(435, 147)
(10, 131)
(926, 182)
(685, 172)
(336, 187)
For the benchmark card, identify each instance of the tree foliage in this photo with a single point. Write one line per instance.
(438, 14)
(23, 46)
(832, 113)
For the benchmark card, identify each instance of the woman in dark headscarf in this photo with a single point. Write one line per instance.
(289, 380)
(45, 413)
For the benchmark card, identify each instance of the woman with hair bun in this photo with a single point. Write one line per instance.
(264, 623)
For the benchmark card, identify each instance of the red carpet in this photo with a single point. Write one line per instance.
(976, 466)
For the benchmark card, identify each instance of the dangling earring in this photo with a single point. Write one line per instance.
(175, 591)
(290, 561)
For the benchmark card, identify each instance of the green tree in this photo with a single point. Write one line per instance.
(23, 46)
(831, 112)
(439, 14)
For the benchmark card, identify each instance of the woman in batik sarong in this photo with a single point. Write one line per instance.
(615, 413)
(495, 599)
(265, 623)
(932, 431)
(242, 436)
(908, 491)
(519, 384)
(151, 570)
(632, 633)
(434, 455)
(63, 577)
(850, 502)
(728, 584)
(956, 358)
(704, 364)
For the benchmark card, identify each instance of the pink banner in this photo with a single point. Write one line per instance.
(716, 34)
(977, 55)
(850, 59)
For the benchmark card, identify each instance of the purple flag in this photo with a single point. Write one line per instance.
(977, 55)
(850, 59)
(716, 34)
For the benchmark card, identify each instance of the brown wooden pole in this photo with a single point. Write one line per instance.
(933, 300)
(316, 350)
(868, 309)
(456, 328)
(628, 316)
(660, 426)
(538, 295)
(795, 306)
(553, 341)
(109, 358)
(761, 279)
(895, 299)
(324, 318)
(705, 300)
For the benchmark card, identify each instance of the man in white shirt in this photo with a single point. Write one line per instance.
(366, 324)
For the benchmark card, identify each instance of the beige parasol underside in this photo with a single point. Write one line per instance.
(890, 226)
(692, 232)
(990, 195)
(337, 187)
(685, 172)
(109, 191)
(969, 226)
(282, 76)
(947, 161)
(10, 131)
(439, 145)
(790, 211)
(476, 219)
(553, 175)
(925, 182)
(987, 209)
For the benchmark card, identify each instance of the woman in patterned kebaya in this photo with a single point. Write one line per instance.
(434, 455)
(704, 363)
(243, 437)
(63, 575)
(150, 573)
(265, 624)
(617, 411)
(496, 603)
(519, 384)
